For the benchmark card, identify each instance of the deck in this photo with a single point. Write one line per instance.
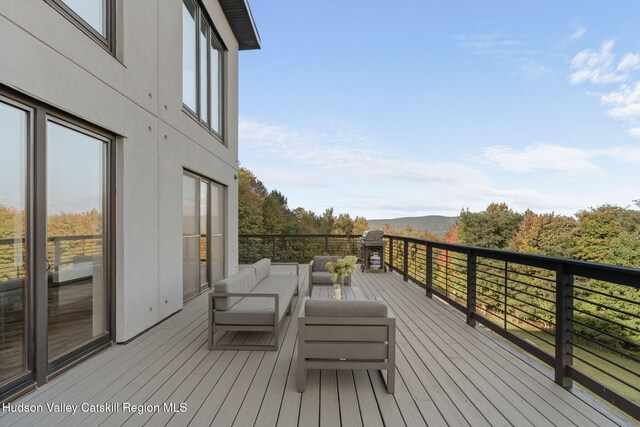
(448, 373)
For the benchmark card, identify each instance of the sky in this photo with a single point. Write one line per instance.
(386, 109)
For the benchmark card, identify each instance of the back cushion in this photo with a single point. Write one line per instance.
(263, 268)
(243, 281)
(320, 262)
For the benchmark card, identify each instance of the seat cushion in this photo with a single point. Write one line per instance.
(276, 283)
(344, 308)
(243, 281)
(321, 278)
(260, 310)
(284, 285)
(320, 262)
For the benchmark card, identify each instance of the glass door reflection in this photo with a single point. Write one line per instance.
(13, 302)
(76, 187)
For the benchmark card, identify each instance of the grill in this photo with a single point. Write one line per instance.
(372, 250)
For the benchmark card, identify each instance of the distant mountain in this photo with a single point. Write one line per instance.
(435, 224)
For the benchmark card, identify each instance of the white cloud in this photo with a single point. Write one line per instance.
(630, 61)
(578, 31)
(539, 157)
(624, 103)
(596, 66)
(346, 149)
(634, 132)
(495, 45)
(621, 154)
(513, 50)
(570, 161)
(601, 67)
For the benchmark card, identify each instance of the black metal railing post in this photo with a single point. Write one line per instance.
(506, 283)
(326, 244)
(564, 325)
(429, 271)
(273, 248)
(390, 254)
(471, 287)
(405, 261)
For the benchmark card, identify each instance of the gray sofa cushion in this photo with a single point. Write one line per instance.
(275, 283)
(320, 262)
(243, 281)
(345, 308)
(259, 310)
(321, 278)
(263, 268)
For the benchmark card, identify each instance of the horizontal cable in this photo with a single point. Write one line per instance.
(530, 324)
(609, 374)
(600, 331)
(606, 295)
(534, 316)
(607, 307)
(531, 295)
(533, 335)
(520, 282)
(553, 291)
(601, 344)
(529, 275)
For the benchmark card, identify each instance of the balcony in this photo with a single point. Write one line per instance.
(449, 373)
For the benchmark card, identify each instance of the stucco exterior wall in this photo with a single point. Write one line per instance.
(137, 96)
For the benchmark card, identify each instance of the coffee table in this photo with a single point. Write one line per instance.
(326, 292)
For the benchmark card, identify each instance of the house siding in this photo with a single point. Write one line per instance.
(136, 95)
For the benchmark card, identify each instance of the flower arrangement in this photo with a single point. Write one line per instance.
(341, 267)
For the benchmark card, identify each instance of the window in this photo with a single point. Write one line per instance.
(58, 276)
(94, 17)
(202, 61)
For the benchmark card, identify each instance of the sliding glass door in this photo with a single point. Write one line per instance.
(76, 189)
(55, 201)
(14, 126)
(203, 233)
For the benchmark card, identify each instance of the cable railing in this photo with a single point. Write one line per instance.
(580, 318)
(62, 253)
(295, 248)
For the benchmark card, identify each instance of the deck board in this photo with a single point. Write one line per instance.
(448, 373)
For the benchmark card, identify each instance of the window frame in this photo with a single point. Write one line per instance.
(39, 366)
(107, 42)
(213, 41)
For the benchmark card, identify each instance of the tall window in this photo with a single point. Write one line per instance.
(94, 17)
(202, 60)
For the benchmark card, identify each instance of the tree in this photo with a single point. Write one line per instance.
(491, 228)
(275, 213)
(250, 194)
(596, 229)
(360, 225)
(343, 224)
(546, 234)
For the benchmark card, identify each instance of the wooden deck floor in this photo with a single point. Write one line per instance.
(448, 374)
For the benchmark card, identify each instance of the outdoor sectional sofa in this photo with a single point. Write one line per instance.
(252, 299)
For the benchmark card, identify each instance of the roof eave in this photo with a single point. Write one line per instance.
(238, 13)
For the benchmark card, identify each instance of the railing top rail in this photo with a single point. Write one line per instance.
(612, 273)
